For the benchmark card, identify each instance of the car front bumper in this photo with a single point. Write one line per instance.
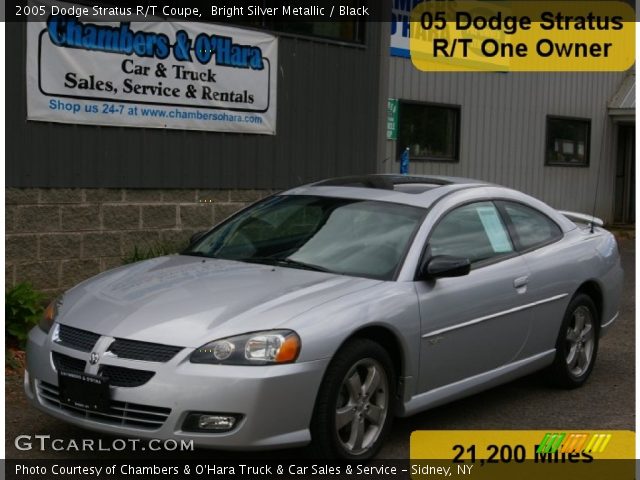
(276, 402)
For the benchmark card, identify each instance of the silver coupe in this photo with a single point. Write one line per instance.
(318, 314)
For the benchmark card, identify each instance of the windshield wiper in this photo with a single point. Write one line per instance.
(287, 262)
(308, 266)
(261, 260)
(197, 254)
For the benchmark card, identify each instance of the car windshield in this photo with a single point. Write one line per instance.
(344, 236)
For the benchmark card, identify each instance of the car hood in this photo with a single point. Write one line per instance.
(188, 301)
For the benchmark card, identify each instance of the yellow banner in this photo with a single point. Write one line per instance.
(522, 36)
(523, 454)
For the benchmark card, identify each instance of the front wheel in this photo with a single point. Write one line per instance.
(577, 343)
(354, 407)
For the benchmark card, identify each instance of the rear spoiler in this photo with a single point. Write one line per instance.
(582, 218)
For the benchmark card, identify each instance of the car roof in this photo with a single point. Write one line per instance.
(416, 190)
(421, 191)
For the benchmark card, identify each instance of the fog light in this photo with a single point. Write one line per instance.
(216, 422)
(210, 422)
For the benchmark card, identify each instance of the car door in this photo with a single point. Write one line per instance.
(553, 265)
(473, 323)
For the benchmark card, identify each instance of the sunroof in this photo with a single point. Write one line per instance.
(399, 183)
(415, 187)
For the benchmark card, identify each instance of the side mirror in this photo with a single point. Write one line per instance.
(442, 266)
(195, 237)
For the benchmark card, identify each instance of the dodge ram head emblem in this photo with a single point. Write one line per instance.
(93, 359)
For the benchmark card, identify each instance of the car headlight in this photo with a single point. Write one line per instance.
(257, 348)
(50, 314)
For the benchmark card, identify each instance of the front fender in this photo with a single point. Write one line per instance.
(392, 306)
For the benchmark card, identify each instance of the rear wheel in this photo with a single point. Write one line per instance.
(577, 343)
(354, 408)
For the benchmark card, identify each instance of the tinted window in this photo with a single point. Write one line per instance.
(353, 237)
(474, 231)
(429, 131)
(531, 227)
(568, 141)
(346, 31)
(349, 31)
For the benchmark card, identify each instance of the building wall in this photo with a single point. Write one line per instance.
(55, 238)
(327, 119)
(80, 199)
(503, 125)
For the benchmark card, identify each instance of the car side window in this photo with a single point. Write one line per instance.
(473, 231)
(532, 228)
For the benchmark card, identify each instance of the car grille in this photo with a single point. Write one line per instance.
(64, 362)
(151, 352)
(120, 413)
(118, 376)
(84, 341)
(125, 377)
(75, 338)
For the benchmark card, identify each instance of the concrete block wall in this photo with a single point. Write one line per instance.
(55, 238)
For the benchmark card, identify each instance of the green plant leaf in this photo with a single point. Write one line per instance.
(23, 309)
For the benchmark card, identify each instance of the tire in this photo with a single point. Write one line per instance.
(577, 343)
(352, 415)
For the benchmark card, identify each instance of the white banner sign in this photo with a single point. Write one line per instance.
(152, 74)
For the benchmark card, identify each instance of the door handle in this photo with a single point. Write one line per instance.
(521, 282)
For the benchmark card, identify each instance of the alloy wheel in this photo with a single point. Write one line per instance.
(362, 406)
(580, 341)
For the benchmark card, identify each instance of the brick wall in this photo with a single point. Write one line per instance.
(56, 238)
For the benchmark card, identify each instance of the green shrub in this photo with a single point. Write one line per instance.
(23, 310)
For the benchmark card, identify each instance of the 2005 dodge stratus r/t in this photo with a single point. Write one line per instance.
(318, 314)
